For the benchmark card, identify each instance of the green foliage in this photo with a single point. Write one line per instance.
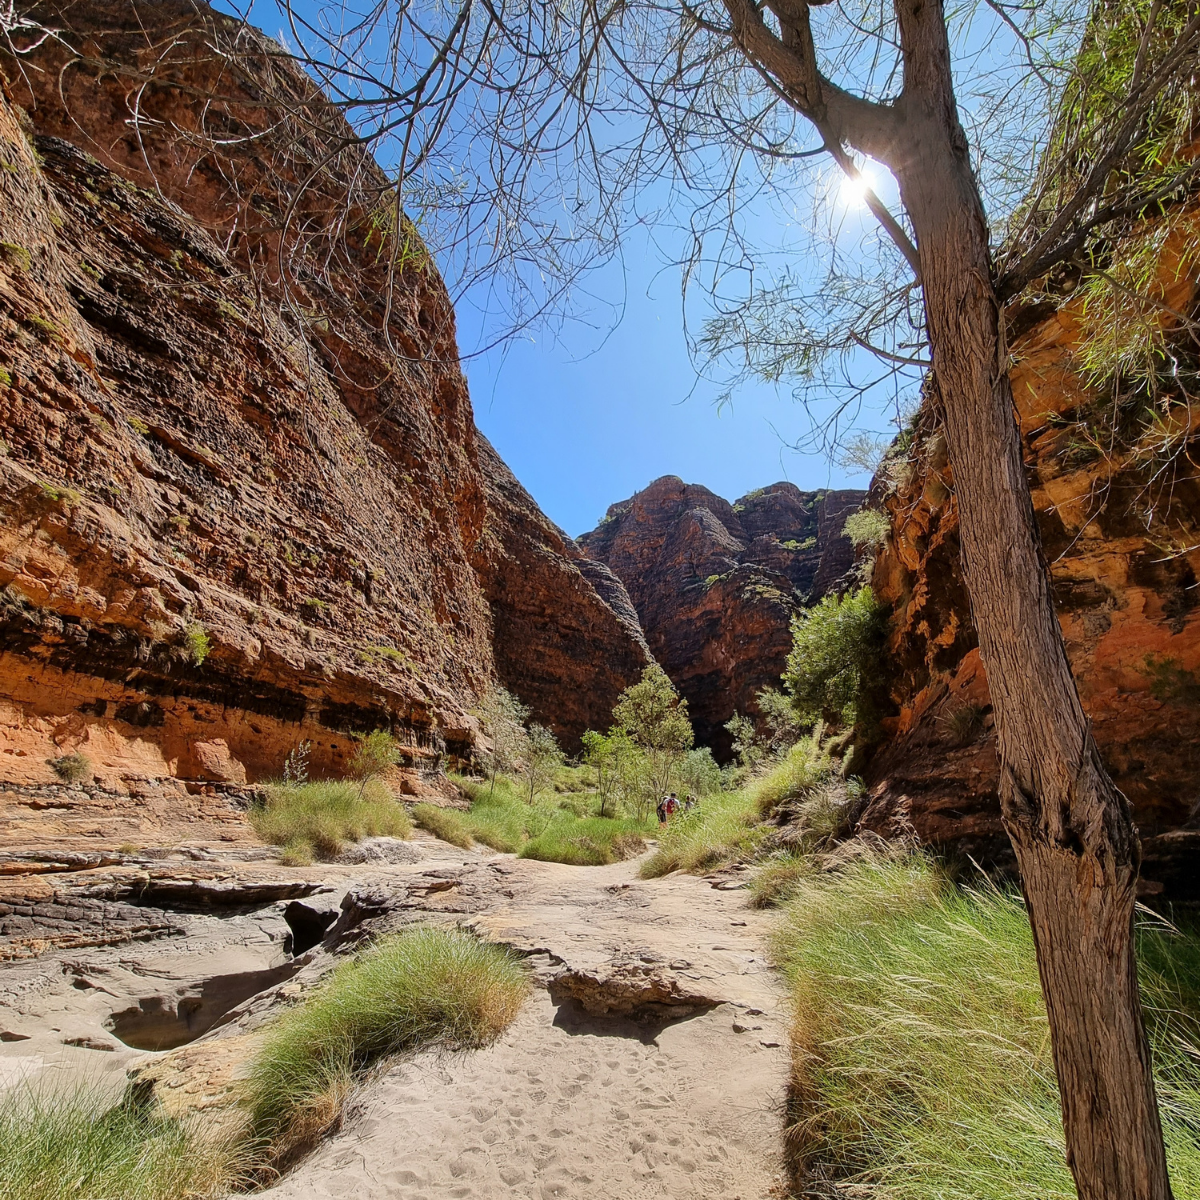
(793, 545)
(747, 744)
(445, 823)
(835, 657)
(722, 828)
(76, 1146)
(868, 528)
(373, 755)
(72, 768)
(804, 767)
(503, 717)
(570, 830)
(784, 727)
(697, 773)
(543, 757)
(17, 256)
(5, 378)
(1170, 682)
(138, 426)
(921, 1051)
(52, 492)
(655, 718)
(317, 818)
(612, 756)
(197, 642)
(420, 987)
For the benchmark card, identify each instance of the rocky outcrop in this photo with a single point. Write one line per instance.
(243, 502)
(1120, 530)
(716, 584)
(567, 656)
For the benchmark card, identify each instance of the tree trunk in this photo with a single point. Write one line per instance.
(1069, 824)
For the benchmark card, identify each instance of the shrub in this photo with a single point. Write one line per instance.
(71, 768)
(443, 823)
(835, 657)
(197, 642)
(542, 760)
(316, 819)
(868, 528)
(374, 754)
(76, 1146)
(921, 1057)
(417, 988)
(963, 723)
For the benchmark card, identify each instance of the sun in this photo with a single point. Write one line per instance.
(854, 189)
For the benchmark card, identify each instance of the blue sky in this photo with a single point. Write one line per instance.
(593, 411)
(585, 420)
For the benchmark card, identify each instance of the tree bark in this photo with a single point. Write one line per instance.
(1070, 826)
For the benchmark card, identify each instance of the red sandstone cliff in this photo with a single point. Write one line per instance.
(216, 430)
(1120, 531)
(716, 584)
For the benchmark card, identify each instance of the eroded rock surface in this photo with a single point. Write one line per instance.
(716, 584)
(1122, 549)
(243, 505)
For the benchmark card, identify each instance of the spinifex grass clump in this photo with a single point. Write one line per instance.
(921, 1052)
(728, 826)
(558, 829)
(316, 819)
(420, 987)
(75, 1146)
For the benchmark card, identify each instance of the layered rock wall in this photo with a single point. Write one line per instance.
(241, 495)
(1120, 529)
(716, 584)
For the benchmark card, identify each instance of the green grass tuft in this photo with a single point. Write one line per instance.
(559, 828)
(444, 823)
(76, 1146)
(316, 819)
(921, 1056)
(722, 828)
(420, 987)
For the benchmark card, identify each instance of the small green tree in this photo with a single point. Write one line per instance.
(656, 719)
(375, 752)
(504, 717)
(543, 757)
(836, 650)
(747, 744)
(779, 712)
(698, 773)
(611, 755)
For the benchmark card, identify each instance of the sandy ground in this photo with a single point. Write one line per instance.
(571, 1106)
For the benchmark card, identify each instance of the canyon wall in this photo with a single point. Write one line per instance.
(1120, 526)
(716, 584)
(243, 502)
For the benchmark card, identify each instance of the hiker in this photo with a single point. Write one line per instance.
(671, 805)
(662, 810)
(689, 803)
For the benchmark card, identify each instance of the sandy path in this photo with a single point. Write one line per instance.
(569, 1106)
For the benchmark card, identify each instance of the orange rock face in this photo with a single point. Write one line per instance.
(716, 584)
(1122, 548)
(241, 496)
